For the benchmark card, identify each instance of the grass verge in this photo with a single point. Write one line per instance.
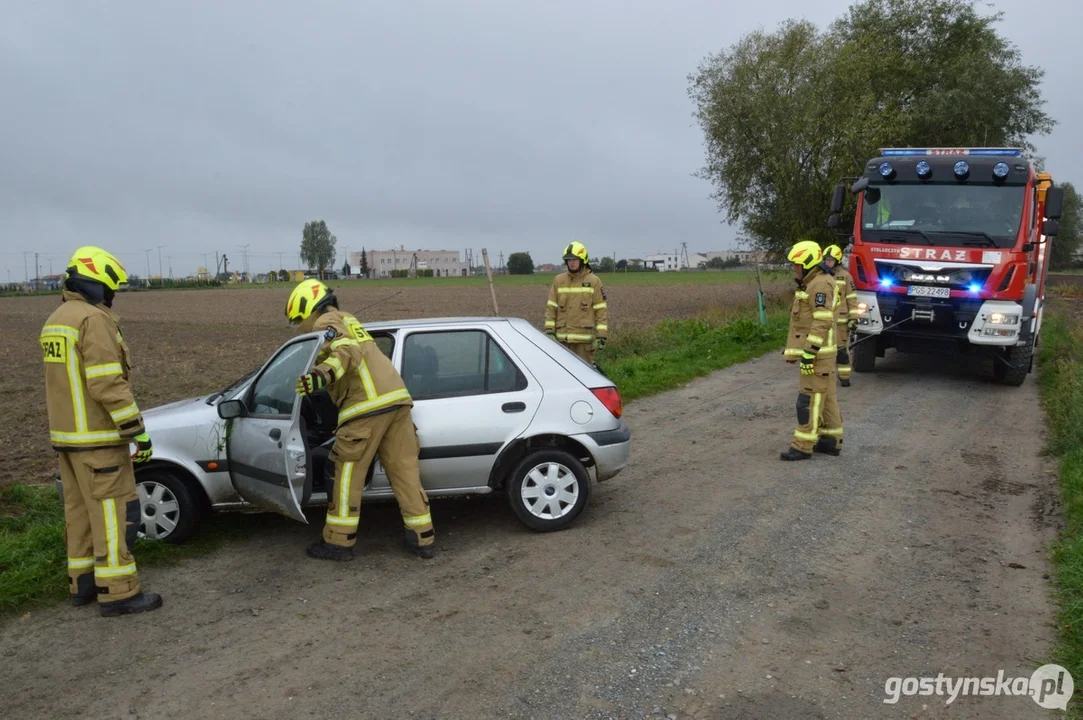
(33, 560)
(1061, 382)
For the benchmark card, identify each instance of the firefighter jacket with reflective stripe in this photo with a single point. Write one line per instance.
(847, 295)
(87, 392)
(813, 316)
(360, 379)
(577, 310)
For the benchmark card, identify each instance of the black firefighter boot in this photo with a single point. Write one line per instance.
(325, 551)
(143, 602)
(845, 382)
(412, 542)
(85, 592)
(793, 453)
(827, 446)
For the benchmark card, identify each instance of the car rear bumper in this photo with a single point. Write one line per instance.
(609, 448)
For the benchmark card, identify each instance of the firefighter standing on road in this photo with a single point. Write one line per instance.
(93, 418)
(577, 314)
(812, 342)
(846, 297)
(374, 414)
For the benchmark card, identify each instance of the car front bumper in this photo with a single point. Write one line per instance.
(609, 448)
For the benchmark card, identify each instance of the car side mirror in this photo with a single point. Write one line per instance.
(838, 198)
(230, 409)
(1050, 227)
(860, 185)
(833, 221)
(1054, 203)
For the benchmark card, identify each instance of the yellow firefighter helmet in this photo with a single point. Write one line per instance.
(93, 263)
(307, 297)
(576, 250)
(806, 253)
(834, 251)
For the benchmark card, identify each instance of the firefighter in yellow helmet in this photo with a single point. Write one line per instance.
(576, 313)
(93, 419)
(374, 415)
(811, 341)
(846, 295)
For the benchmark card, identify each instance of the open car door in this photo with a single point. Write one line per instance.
(267, 448)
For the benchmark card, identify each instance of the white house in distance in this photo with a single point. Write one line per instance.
(671, 261)
(443, 263)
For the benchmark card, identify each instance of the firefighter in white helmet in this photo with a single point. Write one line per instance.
(811, 342)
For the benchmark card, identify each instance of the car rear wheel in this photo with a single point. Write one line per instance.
(168, 511)
(548, 490)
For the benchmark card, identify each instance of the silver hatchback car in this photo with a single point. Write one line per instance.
(498, 407)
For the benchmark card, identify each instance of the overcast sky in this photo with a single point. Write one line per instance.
(205, 125)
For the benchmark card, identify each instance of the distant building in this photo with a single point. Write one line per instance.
(548, 268)
(443, 263)
(666, 262)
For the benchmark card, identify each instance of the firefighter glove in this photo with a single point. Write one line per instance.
(852, 324)
(599, 342)
(310, 383)
(807, 360)
(143, 449)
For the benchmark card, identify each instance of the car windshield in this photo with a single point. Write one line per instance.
(232, 386)
(942, 214)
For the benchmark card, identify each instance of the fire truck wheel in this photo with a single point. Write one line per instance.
(1012, 366)
(863, 354)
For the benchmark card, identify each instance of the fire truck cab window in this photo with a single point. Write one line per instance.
(991, 210)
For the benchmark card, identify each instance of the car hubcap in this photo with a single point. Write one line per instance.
(550, 491)
(159, 510)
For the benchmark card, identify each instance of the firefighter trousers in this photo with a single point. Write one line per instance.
(818, 416)
(842, 359)
(583, 350)
(101, 518)
(394, 436)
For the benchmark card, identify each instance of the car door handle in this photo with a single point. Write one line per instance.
(276, 434)
(513, 407)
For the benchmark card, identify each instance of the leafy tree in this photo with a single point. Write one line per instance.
(520, 263)
(283, 275)
(318, 246)
(1066, 243)
(786, 115)
(346, 269)
(622, 265)
(606, 265)
(364, 263)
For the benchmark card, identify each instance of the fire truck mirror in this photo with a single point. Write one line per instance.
(1049, 228)
(837, 199)
(832, 221)
(859, 185)
(1054, 203)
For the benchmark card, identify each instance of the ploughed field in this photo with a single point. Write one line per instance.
(187, 343)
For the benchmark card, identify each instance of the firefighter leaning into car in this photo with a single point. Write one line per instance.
(811, 341)
(93, 418)
(577, 314)
(374, 415)
(847, 311)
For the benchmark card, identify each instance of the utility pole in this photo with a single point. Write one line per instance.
(148, 263)
(25, 271)
(501, 262)
(244, 251)
(170, 259)
(37, 273)
(160, 273)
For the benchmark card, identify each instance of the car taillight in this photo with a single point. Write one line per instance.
(610, 397)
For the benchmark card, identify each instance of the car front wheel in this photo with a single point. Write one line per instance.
(168, 511)
(548, 490)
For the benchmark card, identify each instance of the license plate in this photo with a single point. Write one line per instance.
(926, 291)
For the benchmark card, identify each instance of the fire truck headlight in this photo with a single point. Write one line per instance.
(924, 169)
(1003, 319)
(862, 308)
(962, 169)
(886, 282)
(1000, 170)
(886, 170)
(974, 288)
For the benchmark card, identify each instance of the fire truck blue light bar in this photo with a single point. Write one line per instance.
(912, 152)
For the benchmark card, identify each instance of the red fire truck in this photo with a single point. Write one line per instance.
(949, 252)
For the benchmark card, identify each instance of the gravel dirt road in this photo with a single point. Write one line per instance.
(708, 580)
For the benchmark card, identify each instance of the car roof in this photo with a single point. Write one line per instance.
(432, 322)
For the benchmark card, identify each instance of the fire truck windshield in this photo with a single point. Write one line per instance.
(954, 214)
